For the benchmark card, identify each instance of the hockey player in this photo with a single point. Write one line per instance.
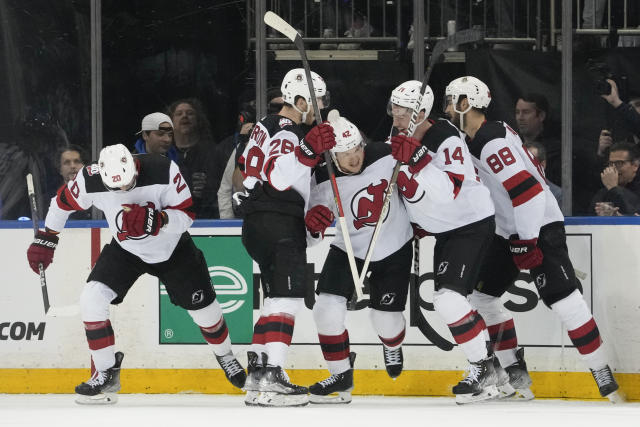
(444, 196)
(363, 176)
(277, 164)
(529, 235)
(146, 203)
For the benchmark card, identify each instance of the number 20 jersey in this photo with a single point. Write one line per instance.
(522, 199)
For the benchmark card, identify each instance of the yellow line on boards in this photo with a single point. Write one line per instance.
(566, 385)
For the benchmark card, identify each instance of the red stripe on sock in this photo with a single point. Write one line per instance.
(278, 337)
(334, 339)
(395, 341)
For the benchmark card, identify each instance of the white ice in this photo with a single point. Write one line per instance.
(197, 410)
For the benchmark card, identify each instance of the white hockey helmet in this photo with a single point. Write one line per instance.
(347, 135)
(295, 84)
(407, 94)
(117, 167)
(473, 88)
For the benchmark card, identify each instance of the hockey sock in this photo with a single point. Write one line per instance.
(465, 324)
(258, 340)
(582, 329)
(213, 327)
(279, 328)
(502, 332)
(329, 313)
(389, 325)
(101, 344)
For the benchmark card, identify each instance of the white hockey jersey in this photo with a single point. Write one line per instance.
(269, 158)
(447, 193)
(518, 188)
(159, 184)
(362, 197)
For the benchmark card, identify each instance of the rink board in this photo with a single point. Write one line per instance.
(165, 354)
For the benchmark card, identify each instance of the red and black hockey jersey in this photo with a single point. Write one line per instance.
(159, 184)
(518, 188)
(447, 193)
(362, 198)
(269, 159)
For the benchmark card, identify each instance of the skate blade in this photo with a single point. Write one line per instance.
(98, 399)
(523, 394)
(617, 397)
(488, 393)
(506, 391)
(252, 398)
(272, 398)
(334, 398)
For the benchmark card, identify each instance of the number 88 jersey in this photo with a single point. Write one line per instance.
(269, 157)
(522, 199)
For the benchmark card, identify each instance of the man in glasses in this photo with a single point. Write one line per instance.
(156, 136)
(621, 192)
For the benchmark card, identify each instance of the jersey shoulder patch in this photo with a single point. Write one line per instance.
(487, 132)
(152, 169)
(92, 180)
(274, 123)
(438, 133)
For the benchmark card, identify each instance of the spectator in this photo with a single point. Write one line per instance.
(621, 192)
(156, 136)
(71, 159)
(231, 147)
(538, 151)
(196, 154)
(532, 118)
(626, 113)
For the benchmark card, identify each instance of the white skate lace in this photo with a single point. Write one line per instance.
(602, 376)
(392, 356)
(473, 372)
(329, 381)
(230, 365)
(97, 379)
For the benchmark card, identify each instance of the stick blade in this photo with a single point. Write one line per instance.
(279, 24)
(64, 311)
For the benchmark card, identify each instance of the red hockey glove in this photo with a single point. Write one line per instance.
(409, 151)
(41, 250)
(317, 141)
(138, 220)
(318, 218)
(526, 253)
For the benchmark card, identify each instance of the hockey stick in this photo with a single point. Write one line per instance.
(48, 310)
(417, 318)
(279, 24)
(461, 37)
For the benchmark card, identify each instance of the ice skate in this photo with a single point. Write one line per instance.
(102, 387)
(254, 374)
(233, 370)
(276, 389)
(607, 384)
(505, 390)
(335, 389)
(479, 384)
(393, 360)
(519, 378)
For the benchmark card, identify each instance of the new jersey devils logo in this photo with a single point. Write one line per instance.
(367, 203)
(124, 235)
(408, 187)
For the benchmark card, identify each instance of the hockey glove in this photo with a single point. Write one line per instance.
(409, 151)
(139, 221)
(317, 141)
(318, 218)
(526, 253)
(41, 250)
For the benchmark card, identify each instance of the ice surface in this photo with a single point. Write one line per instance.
(187, 410)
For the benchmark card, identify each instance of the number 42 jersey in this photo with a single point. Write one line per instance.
(522, 199)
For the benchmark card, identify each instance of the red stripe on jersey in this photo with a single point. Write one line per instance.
(522, 187)
(457, 181)
(268, 168)
(66, 201)
(184, 207)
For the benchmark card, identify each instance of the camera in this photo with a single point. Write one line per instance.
(600, 72)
